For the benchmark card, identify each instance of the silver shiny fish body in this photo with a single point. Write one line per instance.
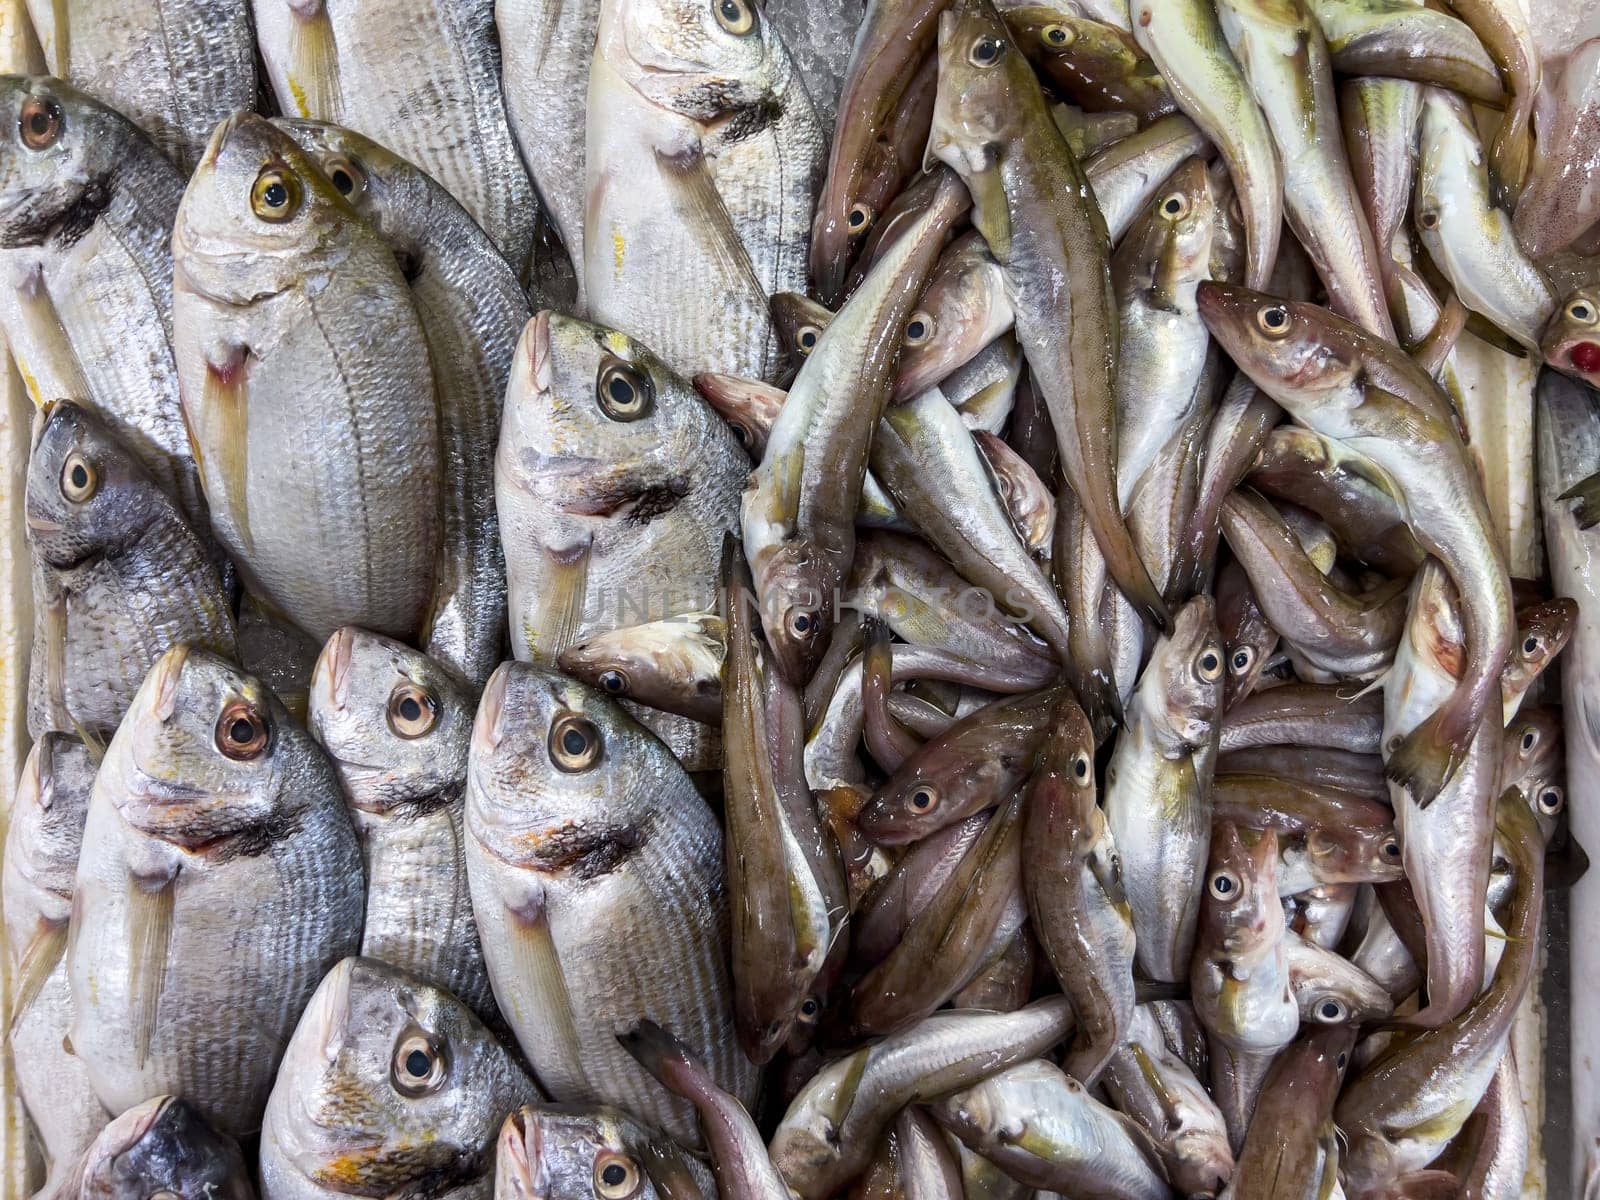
(1157, 800)
(545, 50)
(219, 875)
(422, 79)
(395, 725)
(1379, 118)
(1125, 175)
(1405, 41)
(1560, 201)
(306, 382)
(47, 816)
(390, 1083)
(1327, 989)
(584, 836)
(175, 68)
(1043, 1127)
(119, 577)
(86, 274)
(472, 310)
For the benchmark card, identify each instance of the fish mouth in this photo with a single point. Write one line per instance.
(330, 678)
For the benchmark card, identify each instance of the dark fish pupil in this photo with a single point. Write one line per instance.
(1330, 1010)
(621, 390)
(808, 339)
(731, 11)
(80, 477)
(342, 181)
(1276, 317)
(1174, 204)
(1058, 36)
(277, 195)
(39, 123)
(1209, 662)
(613, 1174)
(611, 681)
(417, 1064)
(1529, 646)
(802, 623)
(987, 50)
(1241, 660)
(858, 218)
(1527, 741)
(573, 742)
(1224, 885)
(241, 730)
(410, 709)
(916, 329)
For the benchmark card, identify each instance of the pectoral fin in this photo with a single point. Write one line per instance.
(38, 961)
(150, 904)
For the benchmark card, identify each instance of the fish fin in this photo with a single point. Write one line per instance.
(1428, 757)
(989, 198)
(1171, 1103)
(1376, 684)
(314, 65)
(1435, 346)
(1586, 493)
(552, 626)
(536, 965)
(38, 961)
(224, 411)
(61, 38)
(150, 904)
(93, 744)
(46, 360)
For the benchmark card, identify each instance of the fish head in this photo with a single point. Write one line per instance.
(380, 185)
(1291, 349)
(963, 311)
(561, 781)
(798, 580)
(388, 1081)
(1570, 341)
(394, 722)
(259, 218)
(1532, 760)
(1202, 1161)
(983, 79)
(1189, 667)
(1169, 250)
(1354, 853)
(1543, 631)
(87, 494)
(799, 321)
(709, 60)
(1248, 638)
(207, 758)
(163, 1147)
(1027, 498)
(747, 405)
(572, 1152)
(1065, 772)
(665, 663)
(1240, 913)
(48, 811)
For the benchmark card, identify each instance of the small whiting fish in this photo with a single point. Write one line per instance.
(1248, 638)
(1125, 176)
(1504, 30)
(1395, 39)
(219, 874)
(674, 664)
(1379, 118)
(1099, 66)
(585, 835)
(1378, 404)
(1034, 207)
(472, 310)
(159, 1146)
(1291, 1151)
(421, 79)
(571, 1152)
(1560, 202)
(320, 456)
(1326, 835)
(119, 576)
(388, 1082)
(1158, 789)
(395, 725)
(1306, 714)
(1329, 989)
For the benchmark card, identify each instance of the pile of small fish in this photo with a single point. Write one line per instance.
(1026, 620)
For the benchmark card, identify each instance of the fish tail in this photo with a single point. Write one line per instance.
(314, 65)
(149, 939)
(1097, 692)
(1128, 572)
(1427, 758)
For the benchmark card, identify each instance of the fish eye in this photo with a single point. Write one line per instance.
(1339, 1063)
(1175, 207)
(1428, 218)
(418, 1066)
(1331, 1011)
(412, 711)
(39, 123)
(1530, 644)
(1581, 311)
(574, 743)
(1057, 36)
(802, 625)
(1390, 848)
(1224, 885)
(1273, 319)
(924, 800)
(616, 1176)
(79, 479)
(736, 16)
(919, 329)
(985, 51)
(241, 733)
(1551, 800)
(1242, 658)
(1530, 739)
(1209, 665)
(613, 681)
(1080, 766)
(805, 338)
(348, 179)
(810, 1007)
(860, 218)
(740, 433)
(275, 196)
(624, 392)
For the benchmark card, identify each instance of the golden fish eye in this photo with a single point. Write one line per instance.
(1224, 885)
(1273, 320)
(418, 1067)
(616, 1176)
(985, 51)
(1057, 37)
(860, 218)
(1331, 1011)
(347, 178)
(39, 123)
(412, 711)
(613, 681)
(1174, 207)
(919, 329)
(1080, 766)
(1428, 218)
(624, 392)
(79, 479)
(1551, 800)
(275, 196)
(924, 800)
(1241, 660)
(1581, 311)
(575, 743)
(1209, 665)
(805, 338)
(241, 732)
(736, 16)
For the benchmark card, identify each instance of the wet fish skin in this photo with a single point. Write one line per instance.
(1381, 408)
(1158, 783)
(395, 725)
(1393, 39)
(472, 310)
(174, 67)
(578, 819)
(162, 1144)
(1291, 1143)
(1305, 714)
(1248, 638)
(1125, 175)
(421, 79)
(43, 837)
(387, 1082)
(1098, 66)
(264, 310)
(1557, 205)
(674, 664)
(87, 311)
(1033, 205)
(193, 858)
(557, 1151)
(1504, 31)
(965, 307)
(1330, 991)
